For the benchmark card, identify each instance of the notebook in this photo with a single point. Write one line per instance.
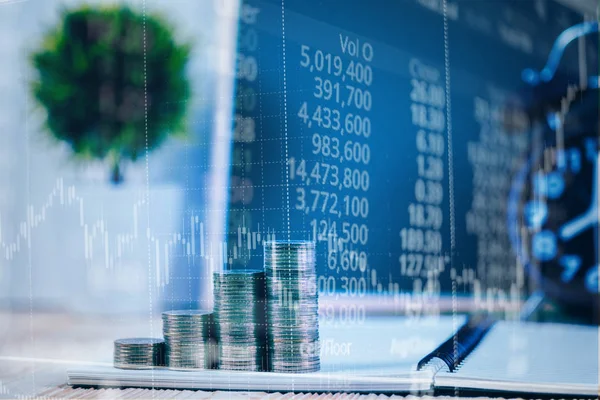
(527, 357)
(400, 355)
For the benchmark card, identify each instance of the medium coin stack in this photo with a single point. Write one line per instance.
(139, 353)
(292, 306)
(188, 335)
(239, 313)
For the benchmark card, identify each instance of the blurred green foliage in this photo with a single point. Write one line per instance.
(113, 83)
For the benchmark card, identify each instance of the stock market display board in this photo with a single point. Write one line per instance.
(379, 129)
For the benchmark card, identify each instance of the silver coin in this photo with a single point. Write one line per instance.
(187, 335)
(138, 353)
(240, 309)
(292, 306)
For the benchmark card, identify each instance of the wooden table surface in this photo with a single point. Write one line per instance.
(36, 349)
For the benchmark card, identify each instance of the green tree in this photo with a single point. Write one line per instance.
(113, 83)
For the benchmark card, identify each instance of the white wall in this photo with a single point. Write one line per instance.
(52, 267)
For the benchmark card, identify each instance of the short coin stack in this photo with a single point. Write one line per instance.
(139, 353)
(239, 313)
(292, 305)
(188, 336)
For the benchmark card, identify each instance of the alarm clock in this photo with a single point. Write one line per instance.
(553, 211)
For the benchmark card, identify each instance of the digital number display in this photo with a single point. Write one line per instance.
(377, 129)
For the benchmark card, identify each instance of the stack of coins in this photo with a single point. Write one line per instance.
(139, 353)
(239, 313)
(292, 306)
(188, 335)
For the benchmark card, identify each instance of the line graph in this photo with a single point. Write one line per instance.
(192, 240)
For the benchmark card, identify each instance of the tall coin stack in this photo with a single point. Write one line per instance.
(292, 305)
(139, 353)
(188, 335)
(239, 313)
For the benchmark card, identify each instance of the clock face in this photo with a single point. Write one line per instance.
(554, 212)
